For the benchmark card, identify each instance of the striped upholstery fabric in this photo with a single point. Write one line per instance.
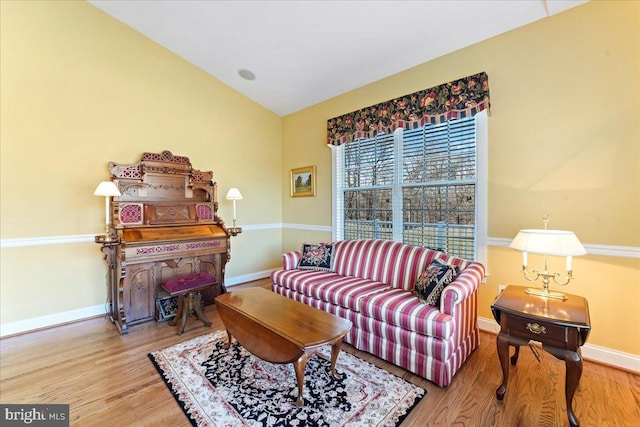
(371, 285)
(423, 364)
(462, 288)
(404, 338)
(401, 308)
(290, 260)
(346, 292)
(301, 280)
(392, 263)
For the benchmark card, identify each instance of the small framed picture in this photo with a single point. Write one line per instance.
(303, 181)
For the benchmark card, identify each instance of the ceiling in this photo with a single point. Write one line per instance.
(304, 52)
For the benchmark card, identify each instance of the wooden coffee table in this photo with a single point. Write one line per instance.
(280, 330)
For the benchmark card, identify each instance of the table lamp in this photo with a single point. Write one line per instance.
(234, 194)
(107, 189)
(548, 243)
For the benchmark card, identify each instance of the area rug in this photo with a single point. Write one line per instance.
(218, 387)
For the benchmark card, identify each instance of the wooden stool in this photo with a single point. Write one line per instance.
(187, 290)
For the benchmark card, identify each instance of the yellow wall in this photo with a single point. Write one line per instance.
(80, 89)
(564, 139)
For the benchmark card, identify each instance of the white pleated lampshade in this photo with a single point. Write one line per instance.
(548, 242)
(234, 194)
(107, 188)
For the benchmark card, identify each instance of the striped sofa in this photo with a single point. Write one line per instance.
(370, 284)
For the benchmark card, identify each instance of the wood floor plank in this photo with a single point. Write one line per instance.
(108, 379)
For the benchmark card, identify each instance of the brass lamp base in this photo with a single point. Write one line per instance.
(107, 239)
(546, 293)
(234, 231)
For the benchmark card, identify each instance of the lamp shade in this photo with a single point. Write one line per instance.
(107, 188)
(548, 242)
(233, 194)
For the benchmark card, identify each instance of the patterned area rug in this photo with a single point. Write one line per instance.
(217, 387)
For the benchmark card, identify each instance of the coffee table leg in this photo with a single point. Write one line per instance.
(299, 366)
(228, 344)
(335, 351)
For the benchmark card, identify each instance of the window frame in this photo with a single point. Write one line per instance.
(481, 188)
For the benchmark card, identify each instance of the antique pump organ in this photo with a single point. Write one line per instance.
(163, 225)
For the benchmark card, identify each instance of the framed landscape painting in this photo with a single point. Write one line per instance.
(303, 181)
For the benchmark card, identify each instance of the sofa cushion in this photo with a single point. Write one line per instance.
(433, 280)
(301, 280)
(402, 308)
(316, 257)
(393, 263)
(347, 292)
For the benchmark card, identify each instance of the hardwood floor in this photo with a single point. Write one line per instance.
(108, 379)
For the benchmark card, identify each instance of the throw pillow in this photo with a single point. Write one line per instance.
(316, 257)
(433, 280)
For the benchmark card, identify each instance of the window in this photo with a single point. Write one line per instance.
(424, 186)
(368, 188)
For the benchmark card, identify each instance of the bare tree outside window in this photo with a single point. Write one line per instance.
(438, 169)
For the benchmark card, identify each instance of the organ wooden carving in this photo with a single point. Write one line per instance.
(165, 224)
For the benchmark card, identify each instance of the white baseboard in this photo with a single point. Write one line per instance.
(606, 356)
(21, 326)
(232, 281)
(50, 320)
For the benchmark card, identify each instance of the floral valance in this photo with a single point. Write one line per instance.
(457, 99)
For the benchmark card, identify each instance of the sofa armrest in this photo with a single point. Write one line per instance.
(290, 260)
(464, 286)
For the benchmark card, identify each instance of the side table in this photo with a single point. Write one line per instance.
(561, 326)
